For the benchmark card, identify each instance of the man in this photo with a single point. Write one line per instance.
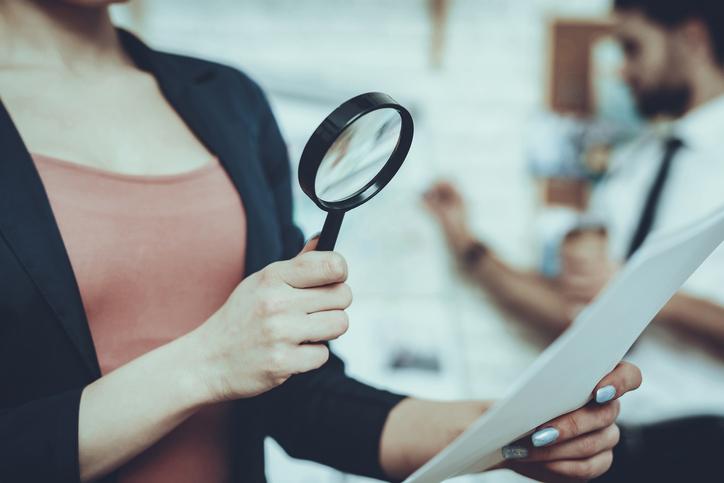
(674, 64)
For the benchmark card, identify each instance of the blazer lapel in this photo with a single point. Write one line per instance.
(29, 228)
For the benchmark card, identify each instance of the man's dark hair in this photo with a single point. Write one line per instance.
(672, 13)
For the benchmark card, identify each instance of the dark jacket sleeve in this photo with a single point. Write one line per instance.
(324, 415)
(39, 440)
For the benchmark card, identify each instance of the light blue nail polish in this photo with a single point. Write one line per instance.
(514, 452)
(605, 394)
(544, 437)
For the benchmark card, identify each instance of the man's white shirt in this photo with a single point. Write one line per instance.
(682, 375)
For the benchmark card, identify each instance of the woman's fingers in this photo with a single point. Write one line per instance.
(583, 421)
(576, 446)
(309, 269)
(323, 326)
(566, 471)
(308, 357)
(585, 430)
(321, 299)
(585, 469)
(308, 329)
(624, 378)
(582, 447)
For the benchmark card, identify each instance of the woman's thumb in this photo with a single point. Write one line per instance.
(311, 244)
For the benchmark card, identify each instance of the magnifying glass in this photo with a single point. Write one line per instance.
(352, 155)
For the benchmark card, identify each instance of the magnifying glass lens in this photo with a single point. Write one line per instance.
(358, 155)
(352, 155)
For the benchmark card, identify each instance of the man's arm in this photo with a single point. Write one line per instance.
(585, 276)
(696, 316)
(525, 294)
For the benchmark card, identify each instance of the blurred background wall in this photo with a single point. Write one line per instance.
(476, 75)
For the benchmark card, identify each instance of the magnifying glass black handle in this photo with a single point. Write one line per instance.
(330, 231)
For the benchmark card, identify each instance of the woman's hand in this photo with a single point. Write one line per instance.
(274, 325)
(573, 447)
(576, 446)
(270, 328)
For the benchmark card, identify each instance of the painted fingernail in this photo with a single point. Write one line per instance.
(544, 437)
(605, 394)
(515, 452)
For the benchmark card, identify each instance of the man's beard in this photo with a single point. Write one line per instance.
(663, 101)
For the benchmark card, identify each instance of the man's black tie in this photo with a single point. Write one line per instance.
(648, 216)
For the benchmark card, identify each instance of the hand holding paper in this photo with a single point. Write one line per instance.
(569, 448)
(578, 444)
(562, 378)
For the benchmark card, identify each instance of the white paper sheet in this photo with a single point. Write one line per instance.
(564, 376)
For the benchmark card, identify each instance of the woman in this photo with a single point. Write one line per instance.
(130, 347)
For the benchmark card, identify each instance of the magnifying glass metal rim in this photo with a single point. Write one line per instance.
(329, 131)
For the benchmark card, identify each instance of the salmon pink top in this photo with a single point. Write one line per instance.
(154, 257)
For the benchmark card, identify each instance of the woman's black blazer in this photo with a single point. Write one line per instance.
(46, 351)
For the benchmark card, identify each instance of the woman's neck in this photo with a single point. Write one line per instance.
(52, 35)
